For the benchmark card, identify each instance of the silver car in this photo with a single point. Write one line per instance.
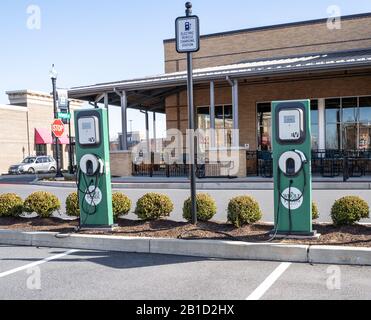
(34, 165)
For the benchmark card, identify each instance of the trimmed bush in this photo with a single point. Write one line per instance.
(243, 210)
(206, 208)
(349, 210)
(153, 206)
(42, 203)
(315, 211)
(121, 204)
(72, 205)
(11, 205)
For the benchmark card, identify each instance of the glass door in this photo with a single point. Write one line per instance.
(350, 123)
(365, 123)
(264, 126)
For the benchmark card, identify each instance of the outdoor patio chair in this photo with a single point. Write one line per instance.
(266, 164)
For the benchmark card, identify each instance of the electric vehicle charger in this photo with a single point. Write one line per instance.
(93, 177)
(292, 146)
(91, 169)
(290, 172)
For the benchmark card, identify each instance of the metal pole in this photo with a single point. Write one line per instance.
(212, 115)
(124, 105)
(147, 134)
(154, 132)
(59, 172)
(71, 171)
(192, 167)
(236, 128)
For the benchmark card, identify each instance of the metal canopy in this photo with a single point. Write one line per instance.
(149, 93)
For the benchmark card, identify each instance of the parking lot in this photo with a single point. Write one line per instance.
(50, 273)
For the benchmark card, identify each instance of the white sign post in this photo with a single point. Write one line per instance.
(188, 41)
(187, 34)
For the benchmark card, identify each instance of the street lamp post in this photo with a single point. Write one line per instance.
(53, 77)
(70, 148)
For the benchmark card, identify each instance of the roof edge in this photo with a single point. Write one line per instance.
(277, 26)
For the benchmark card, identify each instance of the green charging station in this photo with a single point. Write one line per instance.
(292, 152)
(93, 175)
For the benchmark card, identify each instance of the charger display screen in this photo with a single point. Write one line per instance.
(89, 133)
(289, 119)
(290, 124)
(86, 126)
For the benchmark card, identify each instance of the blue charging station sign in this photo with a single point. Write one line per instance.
(187, 34)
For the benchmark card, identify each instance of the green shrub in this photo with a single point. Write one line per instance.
(153, 206)
(315, 211)
(121, 204)
(11, 205)
(42, 203)
(243, 210)
(72, 205)
(206, 208)
(349, 210)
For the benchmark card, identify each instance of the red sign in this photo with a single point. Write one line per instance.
(58, 128)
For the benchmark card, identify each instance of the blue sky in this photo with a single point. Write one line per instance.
(93, 41)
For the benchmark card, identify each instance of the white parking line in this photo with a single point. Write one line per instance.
(37, 263)
(272, 278)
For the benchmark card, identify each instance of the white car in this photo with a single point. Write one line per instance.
(32, 165)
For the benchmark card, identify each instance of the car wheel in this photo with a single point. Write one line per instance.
(52, 170)
(31, 171)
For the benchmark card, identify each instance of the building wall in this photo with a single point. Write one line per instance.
(28, 110)
(249, 94)
(13, 135)
(271, 42)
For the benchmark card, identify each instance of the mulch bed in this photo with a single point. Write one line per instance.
(358, 235)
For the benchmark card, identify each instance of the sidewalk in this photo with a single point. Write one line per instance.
(249, 183)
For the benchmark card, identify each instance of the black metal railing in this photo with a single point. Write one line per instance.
(326, 163)
(158, 167)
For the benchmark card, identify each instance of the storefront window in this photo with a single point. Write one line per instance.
(41, 150)
(203, 118)
(365, 123)
(223, 123)
(349, 120)
(264, 126)
(365, 110)
(314, 124)
(352, 130)
(333, 123)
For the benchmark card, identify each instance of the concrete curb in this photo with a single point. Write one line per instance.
(194, 248)
(340, 255)
(230, 250)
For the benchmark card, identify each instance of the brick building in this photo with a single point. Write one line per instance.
(239, 73)
(25, 128)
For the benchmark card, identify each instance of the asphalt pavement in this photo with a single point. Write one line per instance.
(50, 273)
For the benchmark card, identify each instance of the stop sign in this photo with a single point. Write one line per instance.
(58, 128)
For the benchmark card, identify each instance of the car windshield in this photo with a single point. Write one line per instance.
(29, 160)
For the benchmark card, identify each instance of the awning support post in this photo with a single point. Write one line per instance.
(235, 138)
(212, 114)
(154, 132)
(124, 124)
